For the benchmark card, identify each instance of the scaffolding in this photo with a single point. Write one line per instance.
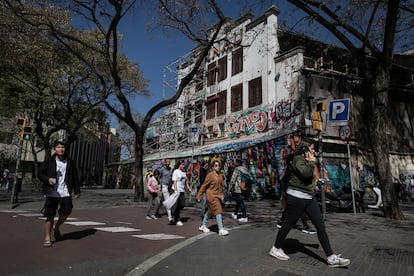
(170, 130)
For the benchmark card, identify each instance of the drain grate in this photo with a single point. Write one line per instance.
(400, 256)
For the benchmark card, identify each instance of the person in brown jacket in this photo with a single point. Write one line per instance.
(213, 187)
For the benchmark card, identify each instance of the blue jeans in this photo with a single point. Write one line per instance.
(295, 209)
(203, 205)
(219, 220)
(240, 204)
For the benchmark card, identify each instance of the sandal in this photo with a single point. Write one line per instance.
(47, 243)
(58, 235)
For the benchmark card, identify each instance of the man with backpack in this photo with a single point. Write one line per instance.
(236, 184)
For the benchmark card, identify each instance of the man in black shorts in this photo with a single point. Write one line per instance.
(59, 177)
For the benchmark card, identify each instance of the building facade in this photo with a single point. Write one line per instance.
(258, 85)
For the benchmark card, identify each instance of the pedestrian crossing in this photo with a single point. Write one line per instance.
(100, 226)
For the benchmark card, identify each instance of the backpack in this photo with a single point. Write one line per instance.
(246, 181)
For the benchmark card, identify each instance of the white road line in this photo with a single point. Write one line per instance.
(31, 215)
(117, 229)
(156, 237)
(12, 211)
(84, 223)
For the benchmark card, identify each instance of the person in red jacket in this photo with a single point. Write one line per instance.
(60, 178)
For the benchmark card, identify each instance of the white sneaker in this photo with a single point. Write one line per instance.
(278, 254)
(243, 219)
(204, 229)
(223, 232)
(148, 217)
(337, 261)
(234, 216)
(179, 223)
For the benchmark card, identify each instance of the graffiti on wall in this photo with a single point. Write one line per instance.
(406, 179)
(282, 113)
(246, 122)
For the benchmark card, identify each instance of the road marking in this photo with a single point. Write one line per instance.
(123, 222)
(30, 215)
(161, 236)
(12, 211)
(84, 223)
(117, 229)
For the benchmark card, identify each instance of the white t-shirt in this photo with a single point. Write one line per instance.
(60, 189)
(180, 177)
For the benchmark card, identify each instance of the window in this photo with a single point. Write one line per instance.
(199, 112)
(255, 92)
(199, 79)
(211, 73)
(222, 103)
(237, 61)
(222, 69)
(211, 107)
(237, 98)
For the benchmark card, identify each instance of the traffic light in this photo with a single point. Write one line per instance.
(321, 106)
(317, 121)
(21, 122)
(26, 133)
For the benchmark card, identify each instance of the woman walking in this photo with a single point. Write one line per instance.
(213, 187)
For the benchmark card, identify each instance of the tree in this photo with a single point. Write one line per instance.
(372, 44)
(106, 17)
(44, 81)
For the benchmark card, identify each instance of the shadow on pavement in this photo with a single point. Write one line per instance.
(77, 235)
(292, 246)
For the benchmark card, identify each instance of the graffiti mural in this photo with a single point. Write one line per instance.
(246, 122)
(406, 180)
(367, 177)
(282, 113)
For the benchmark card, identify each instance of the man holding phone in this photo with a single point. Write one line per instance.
(300, 200)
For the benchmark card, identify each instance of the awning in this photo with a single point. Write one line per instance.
(228, 145)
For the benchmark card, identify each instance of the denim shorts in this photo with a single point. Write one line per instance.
(61, 204)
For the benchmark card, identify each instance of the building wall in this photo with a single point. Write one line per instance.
(291, 89)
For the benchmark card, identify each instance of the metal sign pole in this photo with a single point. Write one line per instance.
(321, 176)
(350, 175)
(13, 198)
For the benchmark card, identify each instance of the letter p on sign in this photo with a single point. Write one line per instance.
(339, 111)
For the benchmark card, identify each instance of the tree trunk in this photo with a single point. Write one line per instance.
(378, 135)
(139, 166)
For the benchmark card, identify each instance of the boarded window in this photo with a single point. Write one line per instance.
(255, 92)
(222, 103)
(211, 73)
(211, 107)
(237, 61)
(199, 79)
(237, 98)
(222, 69)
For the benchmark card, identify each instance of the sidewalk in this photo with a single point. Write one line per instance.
(376, 246)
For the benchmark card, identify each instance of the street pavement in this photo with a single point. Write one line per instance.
(109, 235)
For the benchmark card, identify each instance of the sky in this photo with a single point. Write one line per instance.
(154, 51)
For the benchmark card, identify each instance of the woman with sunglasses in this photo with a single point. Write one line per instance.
(213, 186)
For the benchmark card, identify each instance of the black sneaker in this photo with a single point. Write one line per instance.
(279, 224)
(308, 230)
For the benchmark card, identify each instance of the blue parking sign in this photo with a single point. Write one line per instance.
(339, 111)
